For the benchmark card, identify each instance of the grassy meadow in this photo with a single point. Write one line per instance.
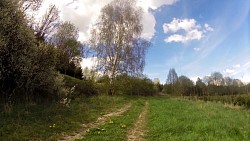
(168, 119)
(178, 119)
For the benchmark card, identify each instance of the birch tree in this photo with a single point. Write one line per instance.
(116, 38)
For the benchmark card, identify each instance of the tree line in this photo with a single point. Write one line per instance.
(213, 85)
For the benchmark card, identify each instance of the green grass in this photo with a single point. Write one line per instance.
(116, 129)
(168, 120)
(37, 123)
(184, 120)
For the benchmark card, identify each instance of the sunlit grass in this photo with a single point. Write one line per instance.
(172, 119)
(47, 122)
(116, 128)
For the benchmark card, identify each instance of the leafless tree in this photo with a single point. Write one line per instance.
(48, 22)
(33, 5)
(172, 77)
(64, 32)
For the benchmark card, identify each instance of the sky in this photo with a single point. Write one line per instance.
(196, 37)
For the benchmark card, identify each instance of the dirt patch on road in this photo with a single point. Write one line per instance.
(86, 127)
(137, 133)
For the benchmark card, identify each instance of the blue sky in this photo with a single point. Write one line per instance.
(224, 48)
(196, 37)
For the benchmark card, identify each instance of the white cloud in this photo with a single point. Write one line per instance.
(245, 78)
(84, 13)
(239, 71)
(89, 63)
(194, 78)
(192, 30)
(178, 24)
(230, 71)
(154, 4)
(194, 35)
(246, 65)
(175, 38)
(208, 27)
(191, 35)
(197, 49)
(158, 3)
(148, 19)
(148, 22)
(237, 66)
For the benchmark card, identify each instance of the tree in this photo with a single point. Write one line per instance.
(29, 9)
(207, 80)
(69, 49)
(47, 24)
(186, 85)
(172, 86)
(16, 47)
(26, 70)
(116, 40)
(64, 32)
(200, 87)
(217, 79)
(172, 77)
(44, 26)
(32, 5)
(228, 81)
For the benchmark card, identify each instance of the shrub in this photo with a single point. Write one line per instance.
(134, 86)
(82, 87)
(27, 72)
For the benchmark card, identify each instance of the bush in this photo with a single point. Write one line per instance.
(27, 72)
(16, 48)
(241, 100)
(134, 86)
(82, 87)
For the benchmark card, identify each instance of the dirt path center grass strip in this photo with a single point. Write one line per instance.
(116, 128)
(137, 133)
(101, 120)
(173, 119)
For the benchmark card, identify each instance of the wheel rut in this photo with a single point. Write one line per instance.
(86, 127)
(137, 133)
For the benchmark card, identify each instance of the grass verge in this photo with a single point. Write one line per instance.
(116, 129)
(47, 122)
(173, 119)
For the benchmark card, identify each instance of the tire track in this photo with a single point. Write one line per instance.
(86, 127)
(137, 133)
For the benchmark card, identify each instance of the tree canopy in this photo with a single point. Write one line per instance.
(116, 39)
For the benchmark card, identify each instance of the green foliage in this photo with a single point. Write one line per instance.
(158, 87)
(134, 86)
(17, 46)
(68, 50)
(240, 100)
(214, 85)
(124, 84)
(43, 82)
(82, 87)
(27, 68)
